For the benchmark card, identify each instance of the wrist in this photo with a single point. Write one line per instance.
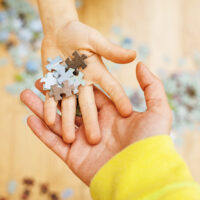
(52, 31)
(55, 15)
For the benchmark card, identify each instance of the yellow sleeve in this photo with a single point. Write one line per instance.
(146, 170)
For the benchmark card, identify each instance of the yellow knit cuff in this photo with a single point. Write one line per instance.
(140, 170)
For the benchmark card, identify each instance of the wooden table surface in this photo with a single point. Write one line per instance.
(169, 27)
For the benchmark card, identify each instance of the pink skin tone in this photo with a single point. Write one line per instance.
(117, 132)
(77, 36)
(63, 34)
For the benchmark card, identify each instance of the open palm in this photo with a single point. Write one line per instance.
(77, 36)
(117, 132)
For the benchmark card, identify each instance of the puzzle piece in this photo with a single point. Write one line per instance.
(57, 92)
(56, 74)
(48, 81)
(55, 66)
(59, 74)
(53, 63)
(66, 76)
(60, 69)
(76, 62)
(78, 80)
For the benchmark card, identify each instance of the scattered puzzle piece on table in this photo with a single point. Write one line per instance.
(57, 92)
(54, 196)
(43, 188)
(32, 66)
(76, 62)
(31, 187)
(12, 186)
(28, 181)
(67, 193)
(3, 62)
(25, 195)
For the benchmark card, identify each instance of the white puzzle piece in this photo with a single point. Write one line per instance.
(48, 81)
(66, 76)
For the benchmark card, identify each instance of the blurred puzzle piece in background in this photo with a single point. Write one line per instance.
(67, 193)
(29, 187)
(12, 187)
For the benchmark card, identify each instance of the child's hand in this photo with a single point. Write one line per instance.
(77, 36)
(117, 132)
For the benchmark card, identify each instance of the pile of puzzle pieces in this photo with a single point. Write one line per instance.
(64, 80)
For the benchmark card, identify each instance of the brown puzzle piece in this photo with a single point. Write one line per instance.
(57, 92)
(77, 61)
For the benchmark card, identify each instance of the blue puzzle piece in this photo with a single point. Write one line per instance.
(78, 80)
(67, 193)
(49, 80)
(53, 63)
(56, 74)
(32, 66)
(75, 91)
(60, 69)
(67, 76)
(12, 186)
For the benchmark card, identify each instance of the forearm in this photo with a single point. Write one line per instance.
(55, 13)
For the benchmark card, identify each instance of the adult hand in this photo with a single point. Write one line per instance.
(117, 132)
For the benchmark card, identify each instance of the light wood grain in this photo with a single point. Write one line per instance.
(169, 27)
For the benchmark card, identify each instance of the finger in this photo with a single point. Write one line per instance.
(49, 50)
(109, 50)
(152, 86)
(116, 93)
(50, 106)
(101, 99)
(38, 85)
(51, 140)
(68, 108)
(36, 105)
(89, 114)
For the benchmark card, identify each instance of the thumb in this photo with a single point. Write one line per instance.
(110, 51)
(152, 86)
